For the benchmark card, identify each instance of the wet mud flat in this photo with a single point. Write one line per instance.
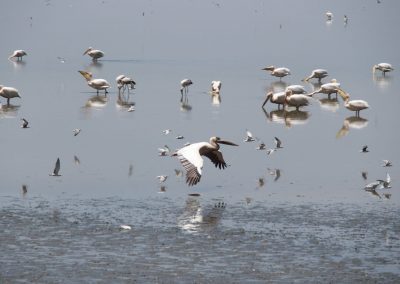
(194, 240)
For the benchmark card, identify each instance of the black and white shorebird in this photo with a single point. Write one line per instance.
(162, 178)
(249, 137)
(163, 151)
(185, 83)
(56, 169)
(387, 163)
(364, 149)
(76, 131)
(24, 123)
(278, 143)
(191, 157)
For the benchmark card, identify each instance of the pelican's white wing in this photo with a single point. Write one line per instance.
(191, 160)
(99, 84)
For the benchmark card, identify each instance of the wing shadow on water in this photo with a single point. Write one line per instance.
(200, 219)
(353, 122)
(9, 111)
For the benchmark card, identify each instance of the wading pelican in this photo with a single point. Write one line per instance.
(185, 83)
(18, 54)
(318, 74)
(353, 105)
(278, 72)
(384, 67)
(98, 84)
(125, 82)
(190, 157)
(296, 100)
(94, 53)
(328, 88)
(296, 89)
(8, 93)
(276, 98)
(56, 169)
(24, 123)
(216, 86)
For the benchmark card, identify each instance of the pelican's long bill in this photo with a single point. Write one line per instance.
(227, 143)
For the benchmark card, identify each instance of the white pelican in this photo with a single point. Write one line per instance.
(364, 149)
(123, 82)
(18, 54)
(354, 122)
(296, 89)
(318, 74)
(276, 98)
(278, 72)
(249, 137)
(353, 105)
(76, 131)
(94, 53)
(328, 88)
(9, 93)
(56, 169)
(24, 123)
(98, 84)
(185, 83)
(384, 67)
(386, 163)
(329, 15)
(296, 100)
(216, 86)
(190, 157)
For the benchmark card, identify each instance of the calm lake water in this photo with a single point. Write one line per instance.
(300, 214)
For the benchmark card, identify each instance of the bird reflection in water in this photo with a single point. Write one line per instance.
(18, 64)
(96, 101)
(383, 82)
(9, 110)
(354, 122)
(184, 102)
(123, 102)
(215, 98)
(329, 104)
(197, 218)
(278, 86)
(289, 118)
(77, 161)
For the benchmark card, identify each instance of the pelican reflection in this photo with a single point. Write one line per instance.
(96, 101)
(381, 81)
(9, 110)
(354, 122)
(278, 86)
(18, 64)
(123, 102)
(329, 104)
(276, 116)
(197, 218)
(296, 117)
(184, 102)
(215, 98)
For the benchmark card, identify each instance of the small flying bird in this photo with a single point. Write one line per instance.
(125, 227)
(278, 72)
(178, 173)
(216, 86)
(94, 53)
(318, 74)
(276, 173)
(76, 131)
(270, 151)
(163, 189)
(190, 157)
(249, 137)
(18, 54)
(163, 151)
(179, 137)
(384, 67)
(278, 143)
(62, 60)
(167, 131)
(97, 84)
(364, 149)
(131, 108)
(56, 169)
(9, 93)
(328, 15)
(387, 163)
(162, 178)
(385, 183)
(261, 182)
(185, 83)
(24, 123)
(261, 146)
(364, 175)
(77, 161)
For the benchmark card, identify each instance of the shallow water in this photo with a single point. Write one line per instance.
(305, 222)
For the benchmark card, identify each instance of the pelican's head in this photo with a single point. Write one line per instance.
(345, 96)
(88, 76)
(218, 140)
(374, 68)
(88, 50)
(269, 68)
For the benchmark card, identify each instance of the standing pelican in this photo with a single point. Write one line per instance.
(296, 89)
(94, 53)
(190, 157)
(123, 82)
(296, 100)
(9, 93)
(98, 84)
(384, 67)
(318, 74)
(216, 86)
(328, 88)
(276, 98)
(278, 72)
(18, 54)
(185, 83)
(353, 105)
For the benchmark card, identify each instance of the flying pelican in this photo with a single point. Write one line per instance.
(94, 53)
(328, 88)
(123, 82)
(18, 54)
(216, 86)
(318, 74)
(8, 93)
(297, 89)
(353, 105)
(384, 67)
(249, 137)
(278, 72)
(98, 84)
(185, 83)
(24, 123)
(296, 100)
(387, 163)
(276, 98)
(56, 169)
(190, 157)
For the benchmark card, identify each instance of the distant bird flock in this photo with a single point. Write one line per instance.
(191, 155)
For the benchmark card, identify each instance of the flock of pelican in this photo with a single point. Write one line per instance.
(191, 155)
